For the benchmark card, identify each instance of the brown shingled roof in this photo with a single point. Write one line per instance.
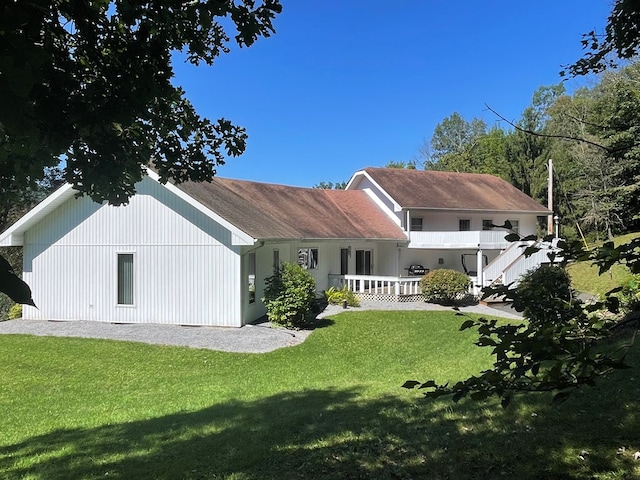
(268, 211)
(452, 190)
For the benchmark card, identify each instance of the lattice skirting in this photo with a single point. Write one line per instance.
(389, 297)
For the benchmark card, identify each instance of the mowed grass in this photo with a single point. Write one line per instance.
(585, 276)
(329, 408)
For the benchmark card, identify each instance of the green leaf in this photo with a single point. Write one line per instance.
(411, 384)
(467, 324)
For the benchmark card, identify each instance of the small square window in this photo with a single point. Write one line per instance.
(465, 225)
(487, 224)
(416, 224)
(308, 258)
(515, 225)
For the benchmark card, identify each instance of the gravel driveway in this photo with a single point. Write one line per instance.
(256, 338)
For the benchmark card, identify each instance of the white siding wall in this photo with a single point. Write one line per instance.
(450, 221)
(185, 269)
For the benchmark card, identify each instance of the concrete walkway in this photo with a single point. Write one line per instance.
(256, 338)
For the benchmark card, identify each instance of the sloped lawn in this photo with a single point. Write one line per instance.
(330, 408)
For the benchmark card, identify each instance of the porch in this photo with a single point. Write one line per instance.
(381, 288)
(487, 239)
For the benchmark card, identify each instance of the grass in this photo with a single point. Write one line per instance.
(329, 408)
(585, 276)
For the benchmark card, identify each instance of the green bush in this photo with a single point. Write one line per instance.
(5, 305)
(545, 295)
(444, 286)
(15, 311)
(630, 295)
(337, 296)
(289, 296)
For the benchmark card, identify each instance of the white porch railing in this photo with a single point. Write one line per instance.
(511, 264)
(470, 239)
(495, 270)
(377, 284)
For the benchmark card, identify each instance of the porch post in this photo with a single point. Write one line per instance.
(479, 272)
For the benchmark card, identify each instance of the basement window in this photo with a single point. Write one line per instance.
(125, 279)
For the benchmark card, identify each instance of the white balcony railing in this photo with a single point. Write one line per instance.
(470, 239)
(377, 284)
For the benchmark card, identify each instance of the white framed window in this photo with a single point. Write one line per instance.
(465, 224)
(308, 258)
(515, 225)
(416, 224)
(276, 259)
(125, 278)
(487, 224)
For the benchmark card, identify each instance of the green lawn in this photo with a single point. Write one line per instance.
(330, 408)
(585, 276)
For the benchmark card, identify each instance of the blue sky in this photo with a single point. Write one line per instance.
(347, 84)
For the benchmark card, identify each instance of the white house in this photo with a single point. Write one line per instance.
(199, 253)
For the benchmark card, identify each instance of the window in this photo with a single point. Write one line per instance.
(276, 260)
(465, 225)
(251, 273)
(308, 258)
(515, 225)
(125, 279)
(416, 224)
(344, 261)
(487, 224)
(364, 262)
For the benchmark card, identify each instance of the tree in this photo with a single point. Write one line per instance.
(395, 164)
(89, 83)
(620, 41)
(331, 185)
(452, 136)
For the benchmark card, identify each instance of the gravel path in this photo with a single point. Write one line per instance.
(257, 338)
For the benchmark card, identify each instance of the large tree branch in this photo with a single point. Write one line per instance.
(549, 135)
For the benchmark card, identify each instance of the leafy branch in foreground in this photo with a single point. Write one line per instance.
(563, 344)
(91, 83)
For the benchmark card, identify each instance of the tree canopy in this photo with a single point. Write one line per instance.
(89, 83)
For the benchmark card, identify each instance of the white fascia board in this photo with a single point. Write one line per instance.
(14, 235)
(239, 237)
(397, 207)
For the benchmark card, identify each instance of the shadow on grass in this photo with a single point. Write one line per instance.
(327, 434)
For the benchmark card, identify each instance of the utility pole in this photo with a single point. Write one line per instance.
(550, 198)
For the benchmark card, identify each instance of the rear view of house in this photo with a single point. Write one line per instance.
(199, 253)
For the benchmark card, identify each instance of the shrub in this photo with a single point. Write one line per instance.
(444, 286)
(289, 296)
(630, 295)
(15, 311)
(545, 295)
(338, 296)
(5, 305)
